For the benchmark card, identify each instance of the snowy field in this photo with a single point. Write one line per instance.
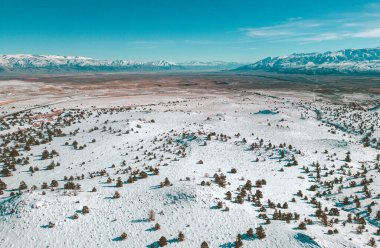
(299, 171)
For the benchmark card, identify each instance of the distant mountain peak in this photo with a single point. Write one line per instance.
(347, 61)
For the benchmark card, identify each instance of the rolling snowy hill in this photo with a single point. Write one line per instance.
(348, 61)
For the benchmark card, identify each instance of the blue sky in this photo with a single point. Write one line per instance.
(177, 30)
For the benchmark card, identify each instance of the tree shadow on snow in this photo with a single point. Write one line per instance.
(139, 220)
(109, 197)
(246, 237)
(109, 186)
(71, 217)
(174, 240)
(228, 245)
(117, 239)
(154, 244)
(155, 187)
(233, 244)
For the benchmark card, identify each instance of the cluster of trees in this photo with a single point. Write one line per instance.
(46, 154)
(72, 186)
(220, 179)
(165, 183)
(356, 121)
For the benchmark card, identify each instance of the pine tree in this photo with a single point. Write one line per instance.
(44, 185)
(123, 236)
(119, 183)
(204, 244)
(54, 183)
(14, 153)
(302, 226)
(348, 158)
(45, 155)
(162, 241)
(181, 236)
(6, 172)
(239, 242)
(3, 185)
(228, 195)
(260, 232)
(372, 242)
(109, 180)
(116, 195)
(85, 210)
(250, 232)
(151, 215)
(22, 186)
(157, 226)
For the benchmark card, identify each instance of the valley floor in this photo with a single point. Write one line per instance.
(285, 157)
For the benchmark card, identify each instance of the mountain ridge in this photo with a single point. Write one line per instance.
(347, 61)
(58, 63)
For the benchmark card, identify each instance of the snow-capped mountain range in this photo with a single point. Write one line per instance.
(56, 63)
(348, 61)
(26, 62)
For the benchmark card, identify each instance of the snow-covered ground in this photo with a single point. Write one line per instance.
(189, 139)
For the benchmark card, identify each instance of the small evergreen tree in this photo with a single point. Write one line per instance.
(260, 232)
(45, 155)
(85, 210)
(151, 215)
(239, 241)
(157, 226)
(54, 183)
(302, 226)
(228, 195)
(181, 236)
(22, 186)
(123, 236)
(204, 244)
(372, 242)
(6, 172)
(250, 232)
(162, 241)
(348, 158)
(116, 195)
(119, 183)
(3, 185)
